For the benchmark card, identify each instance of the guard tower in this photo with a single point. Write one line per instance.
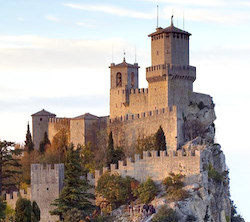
(123, 78)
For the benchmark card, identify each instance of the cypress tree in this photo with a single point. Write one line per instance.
(44, 143)
(110, 150)
(74, 194)
(160, 140)
(29, 145)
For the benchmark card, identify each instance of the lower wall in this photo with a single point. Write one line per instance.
(156, 165)
(12, 198)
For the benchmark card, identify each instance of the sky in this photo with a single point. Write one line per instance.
(55, 55)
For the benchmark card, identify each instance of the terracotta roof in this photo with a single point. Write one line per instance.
(43, 112)
(87, 116)
(124, 64)
(170, 29)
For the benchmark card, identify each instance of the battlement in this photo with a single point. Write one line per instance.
(154, 164)
(65, 121)
(139, 91)
(129, 117)
(12, 198)
(176, 71)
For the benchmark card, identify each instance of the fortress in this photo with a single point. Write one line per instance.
(169, 102)
(134, 112)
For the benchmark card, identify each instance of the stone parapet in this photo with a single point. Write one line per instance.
(154, 164)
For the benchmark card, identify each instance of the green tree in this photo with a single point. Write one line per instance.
(173, 185)
(73, 215)
(110, 150)
(113, 155)
(235, 217)
(146, 191)
(75, 193)
(121, 192)
(2, 208)
(26, 212)
(29, 145)
(44, 143)
(160, 140)
(9, 166)
(165, 214)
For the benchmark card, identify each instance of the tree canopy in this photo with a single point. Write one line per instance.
(160, 140)
(29, 145)
(75, 193)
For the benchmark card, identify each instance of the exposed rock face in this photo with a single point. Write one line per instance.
(199, 121)
(209, 198)
(208, 195)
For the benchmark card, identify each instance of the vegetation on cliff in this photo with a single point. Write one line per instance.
(116, 190)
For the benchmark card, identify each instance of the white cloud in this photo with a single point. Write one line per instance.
(52, 18)
(192, 2)
(111, 10)
(85, 24)
(208, 15)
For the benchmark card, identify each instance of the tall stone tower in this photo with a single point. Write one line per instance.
(40, 124)
(46, 184)
(170, 78)
(124, 77)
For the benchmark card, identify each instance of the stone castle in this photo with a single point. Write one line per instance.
(138, 113)
(169, 101)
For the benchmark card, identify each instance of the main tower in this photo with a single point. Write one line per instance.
(170, 78)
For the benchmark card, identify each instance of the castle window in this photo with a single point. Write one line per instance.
(41, 119)
(157, 53)
(47, 188)
(132, 79)
(118, 79)
(150, 113)
(173, 35)
(133, 116)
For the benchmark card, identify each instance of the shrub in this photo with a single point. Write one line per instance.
(165, 214)
(146, 191)
(213, 174)
(173, 185)
(122, 189)
(190, 218)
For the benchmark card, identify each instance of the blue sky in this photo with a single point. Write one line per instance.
(55, 55)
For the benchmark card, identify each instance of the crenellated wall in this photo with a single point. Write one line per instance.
(127, 129)
(12, 198)
(156, 165)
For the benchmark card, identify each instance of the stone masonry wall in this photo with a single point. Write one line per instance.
(127, 129)
(12, 198)
(157, 166)
(46, 184)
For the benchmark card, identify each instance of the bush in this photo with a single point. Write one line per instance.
(213, 174)
(173, 185)
(190, 218)
(165, 214)
(122, 189)
(146, 191)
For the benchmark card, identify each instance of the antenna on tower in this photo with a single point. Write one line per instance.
(172, 23)
(183, 21)
(112, 54)
(157, 17)
(124, 54)
(135, 53)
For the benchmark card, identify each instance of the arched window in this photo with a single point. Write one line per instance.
(118, 79)
(132, 79)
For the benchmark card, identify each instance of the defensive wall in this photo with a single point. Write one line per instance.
(156, 165)
(46, 184)
(128, 129)
(12, 198)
